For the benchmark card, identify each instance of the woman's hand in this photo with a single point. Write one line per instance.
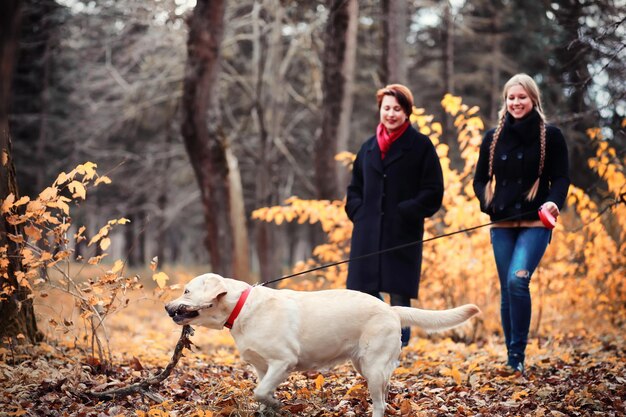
(551, 207)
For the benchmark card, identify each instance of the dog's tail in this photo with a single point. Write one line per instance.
(436, 320)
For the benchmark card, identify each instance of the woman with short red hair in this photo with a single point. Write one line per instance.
(396, 183)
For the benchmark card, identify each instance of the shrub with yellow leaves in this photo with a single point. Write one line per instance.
(45, 250)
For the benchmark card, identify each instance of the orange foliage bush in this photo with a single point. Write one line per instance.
(46, 248)
(579, 285)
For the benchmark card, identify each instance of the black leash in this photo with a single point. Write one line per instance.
(404, 245)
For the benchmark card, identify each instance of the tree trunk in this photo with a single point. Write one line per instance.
(204, 145)
(574, 71)
(448, 49)
(449, 136)
(263, 231)
(394, 21)
(496, 51)
(32, 98)
(40, 152)
(130, 241)
(163, 199)
(334, 85)
(17, 316)
(343, 130)
(261, 60)
(241, 249)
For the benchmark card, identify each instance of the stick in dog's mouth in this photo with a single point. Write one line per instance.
(184, 311)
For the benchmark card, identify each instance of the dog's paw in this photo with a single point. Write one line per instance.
(268, 408)
(269, 403)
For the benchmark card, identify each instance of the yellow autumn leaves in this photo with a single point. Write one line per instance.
(49, 214)
(159, 277)
(45, 223)
(43, 237)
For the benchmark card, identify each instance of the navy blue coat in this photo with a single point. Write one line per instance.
(515, 167)
(387, 200)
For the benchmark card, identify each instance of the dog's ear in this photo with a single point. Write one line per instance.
(214, 290)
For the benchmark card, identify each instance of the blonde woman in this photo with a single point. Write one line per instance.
(522, 167)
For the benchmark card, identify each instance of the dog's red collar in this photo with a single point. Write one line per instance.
(233, 316)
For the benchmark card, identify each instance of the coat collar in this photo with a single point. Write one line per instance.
(396, 151)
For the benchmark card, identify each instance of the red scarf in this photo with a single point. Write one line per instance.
(385, 139)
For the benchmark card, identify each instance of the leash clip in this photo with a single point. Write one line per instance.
(548, 220)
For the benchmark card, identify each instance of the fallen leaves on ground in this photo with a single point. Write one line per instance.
(566, 376)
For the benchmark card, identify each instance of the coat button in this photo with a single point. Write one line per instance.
(503, 157)
(519, 180)
(501, 207)
(520, 155)
(518, 206)
(504, 183)
(382, 213)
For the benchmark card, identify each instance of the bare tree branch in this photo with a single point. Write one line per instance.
(144, 386)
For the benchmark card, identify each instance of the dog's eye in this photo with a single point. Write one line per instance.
(186, 292)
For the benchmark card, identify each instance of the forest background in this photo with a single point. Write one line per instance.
(220, 135)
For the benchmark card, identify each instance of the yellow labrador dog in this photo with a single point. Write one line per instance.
(279, 331)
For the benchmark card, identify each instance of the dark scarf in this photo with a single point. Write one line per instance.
(526, 129)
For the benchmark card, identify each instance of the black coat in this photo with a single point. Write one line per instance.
(387, 201)
(515, 166)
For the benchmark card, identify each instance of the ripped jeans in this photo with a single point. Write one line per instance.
(517, 251)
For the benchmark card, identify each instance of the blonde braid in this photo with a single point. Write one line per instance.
(532, 193)
(489, 187)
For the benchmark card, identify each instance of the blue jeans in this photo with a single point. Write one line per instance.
(517, 251)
